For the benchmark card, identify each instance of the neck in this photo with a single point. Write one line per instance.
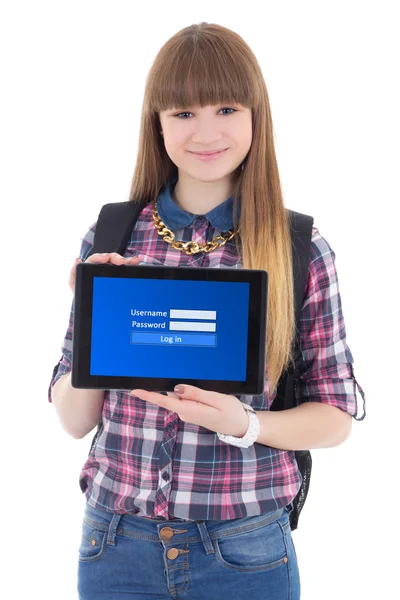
(199, 197)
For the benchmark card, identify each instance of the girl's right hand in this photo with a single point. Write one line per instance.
(107, 257)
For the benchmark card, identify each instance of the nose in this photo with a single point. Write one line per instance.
(206, 133)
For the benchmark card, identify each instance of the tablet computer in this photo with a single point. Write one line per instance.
(152, 327)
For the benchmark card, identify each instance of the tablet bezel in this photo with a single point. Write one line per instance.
(82, 329)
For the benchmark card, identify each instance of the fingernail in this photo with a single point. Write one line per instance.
(179, 389)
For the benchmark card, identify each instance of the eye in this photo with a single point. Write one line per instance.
(189, 113)
(183, 113)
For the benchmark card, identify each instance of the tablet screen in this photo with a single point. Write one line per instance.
(152, 327)
(163, 328)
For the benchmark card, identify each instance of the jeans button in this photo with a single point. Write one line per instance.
(166, 533)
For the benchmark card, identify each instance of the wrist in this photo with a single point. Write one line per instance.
(243, 430)
(250, 436)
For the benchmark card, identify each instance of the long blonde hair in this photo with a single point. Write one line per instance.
(207, 64)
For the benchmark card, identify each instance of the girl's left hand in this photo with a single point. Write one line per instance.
(218, 412)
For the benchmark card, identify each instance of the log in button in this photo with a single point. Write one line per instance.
(174, 339)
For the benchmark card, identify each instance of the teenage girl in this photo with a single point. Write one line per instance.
(174, 509)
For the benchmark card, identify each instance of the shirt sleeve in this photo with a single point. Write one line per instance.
(64, 365)
(325, 370)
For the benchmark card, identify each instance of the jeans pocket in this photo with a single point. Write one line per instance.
(260, 549)
(93, 542)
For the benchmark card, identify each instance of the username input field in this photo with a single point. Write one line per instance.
(191, 326)
(210, 315)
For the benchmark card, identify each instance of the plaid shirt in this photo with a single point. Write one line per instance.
(147, 461)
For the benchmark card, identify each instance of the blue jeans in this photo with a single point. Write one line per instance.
(126, 557)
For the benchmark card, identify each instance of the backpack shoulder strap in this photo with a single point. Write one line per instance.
(114, 226)
(301, 230)
(113, 230)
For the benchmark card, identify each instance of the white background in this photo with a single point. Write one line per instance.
(72, 78)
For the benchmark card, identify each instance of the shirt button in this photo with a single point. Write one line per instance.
(165, 476)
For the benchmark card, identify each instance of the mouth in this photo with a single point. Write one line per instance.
(209, 154)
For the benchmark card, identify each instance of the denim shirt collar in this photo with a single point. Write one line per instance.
(220, 217)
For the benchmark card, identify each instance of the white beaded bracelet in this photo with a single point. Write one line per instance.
(251, 434)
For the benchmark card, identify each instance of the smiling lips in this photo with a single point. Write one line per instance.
(209, 155)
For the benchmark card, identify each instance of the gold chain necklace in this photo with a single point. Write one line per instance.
(190, 247)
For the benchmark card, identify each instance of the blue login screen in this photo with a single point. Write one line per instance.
(169, 328)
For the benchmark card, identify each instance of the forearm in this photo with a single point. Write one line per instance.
(79, 410)
(307, 426)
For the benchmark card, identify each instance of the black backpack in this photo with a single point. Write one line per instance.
(113, 231)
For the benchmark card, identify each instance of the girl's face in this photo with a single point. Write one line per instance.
(191, 130)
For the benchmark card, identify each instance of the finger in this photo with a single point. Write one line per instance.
(190, 392)
(71, 280)
(98, 258)
(167, 402)
(116, 258)
(77, 261)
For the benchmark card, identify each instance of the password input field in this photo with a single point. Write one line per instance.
(191, 326)
(210, 315)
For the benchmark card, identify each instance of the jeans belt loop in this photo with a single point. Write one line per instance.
(112, 530)
(205, 537)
